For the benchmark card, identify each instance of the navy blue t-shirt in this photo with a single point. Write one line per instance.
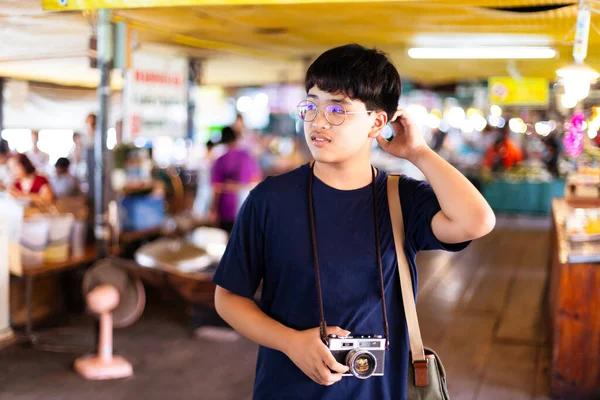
(271, 241)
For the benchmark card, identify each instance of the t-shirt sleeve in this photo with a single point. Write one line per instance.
(419, 206)
(241, 268)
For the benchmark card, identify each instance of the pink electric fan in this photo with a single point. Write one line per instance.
(119, 299)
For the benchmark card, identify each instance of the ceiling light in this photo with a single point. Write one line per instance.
(576, 80)
(480, 39)
(455, 116)
(245, 104)
(495, 110)
(568, 101)
(433, 121)
(479, 122)
(490, 53)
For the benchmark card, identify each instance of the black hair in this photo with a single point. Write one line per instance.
(210, 144)
(25, 163)
(62, 163)
(228, 135)
(358, 73)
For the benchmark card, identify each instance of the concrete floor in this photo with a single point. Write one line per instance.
(480, 309)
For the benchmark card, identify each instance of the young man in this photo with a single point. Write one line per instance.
(352, 93)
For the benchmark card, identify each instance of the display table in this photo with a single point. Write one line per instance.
(523, 197)
(186, 268)
(32, 273)
(573, 311)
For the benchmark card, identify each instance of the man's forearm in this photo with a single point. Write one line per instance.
(246, 318)
(460, 201)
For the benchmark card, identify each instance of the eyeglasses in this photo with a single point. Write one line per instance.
(335, 114)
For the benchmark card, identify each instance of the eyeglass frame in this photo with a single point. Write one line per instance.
(326, 114)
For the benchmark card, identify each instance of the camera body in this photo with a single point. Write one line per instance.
(363, 354)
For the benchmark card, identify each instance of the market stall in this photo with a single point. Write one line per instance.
(574, 298)
(523, 190)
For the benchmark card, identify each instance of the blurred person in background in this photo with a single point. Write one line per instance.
(247, 139)
(77, 158)
(551, 155)
(39, 159)
(90, 127)
(63, 183)
(504, 153)
(437, 139)
(77, 153)
(204, 192)
(5, 177)
(238, 126)
(232, 177)
(27, 183)
(88, 154)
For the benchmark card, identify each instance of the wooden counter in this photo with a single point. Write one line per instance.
(574, 313)
(90, 255)
(29, 306)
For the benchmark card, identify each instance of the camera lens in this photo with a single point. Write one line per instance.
(362, 363)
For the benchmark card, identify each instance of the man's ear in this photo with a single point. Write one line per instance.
(381, 120)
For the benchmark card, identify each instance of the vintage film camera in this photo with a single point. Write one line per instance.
(364, 354)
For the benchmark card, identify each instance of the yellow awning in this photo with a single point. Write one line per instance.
(281, 37)
(73, 5)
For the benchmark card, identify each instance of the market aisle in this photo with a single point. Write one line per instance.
(480, 309)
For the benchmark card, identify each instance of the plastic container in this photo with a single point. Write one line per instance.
(46, 238)
(13, 211)
(59, 238)
(78, 236)
(34, 240)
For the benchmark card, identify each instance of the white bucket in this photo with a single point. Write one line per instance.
(34, 240)
(59, 237)
(13, 211)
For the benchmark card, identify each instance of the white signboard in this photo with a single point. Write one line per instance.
(155, 97)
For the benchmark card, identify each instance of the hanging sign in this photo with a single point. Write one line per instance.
(155, 97)
(525, 91)
(582, 32)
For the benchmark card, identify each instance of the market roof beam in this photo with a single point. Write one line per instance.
(73, 5)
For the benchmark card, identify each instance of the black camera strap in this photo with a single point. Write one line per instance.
(311, 210)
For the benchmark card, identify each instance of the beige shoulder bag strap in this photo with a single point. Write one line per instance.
(414, 333)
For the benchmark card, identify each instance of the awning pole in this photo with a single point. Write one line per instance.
(101, 176)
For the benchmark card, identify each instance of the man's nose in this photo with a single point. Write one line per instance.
(320, 121)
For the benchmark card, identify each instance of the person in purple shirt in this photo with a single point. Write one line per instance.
(233, 175)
